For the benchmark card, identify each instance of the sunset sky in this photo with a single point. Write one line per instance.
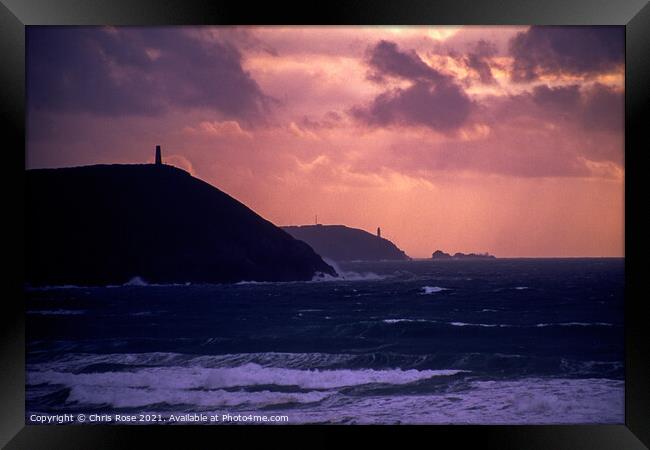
(506, 140)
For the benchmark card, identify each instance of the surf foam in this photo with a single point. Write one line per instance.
(432, 290)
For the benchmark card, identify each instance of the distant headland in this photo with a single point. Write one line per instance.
(106, 224)
(341, 243)
(439, 254)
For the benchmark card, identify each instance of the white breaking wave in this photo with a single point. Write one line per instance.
(407, 320)
(348, 276)
(136, 281)
(249, 374)
(489, 325)
(345, 275)
(432, 289)
(526, 401)
(363, 276)
(203, 383)
(128, 397)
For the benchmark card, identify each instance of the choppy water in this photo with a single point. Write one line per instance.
(505, 341)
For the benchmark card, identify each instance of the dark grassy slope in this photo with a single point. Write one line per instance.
(105, 224)
(342, 243)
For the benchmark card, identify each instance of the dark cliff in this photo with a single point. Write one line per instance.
(106, 224)
(341, 243)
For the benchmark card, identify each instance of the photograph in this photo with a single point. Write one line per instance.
(325, 225)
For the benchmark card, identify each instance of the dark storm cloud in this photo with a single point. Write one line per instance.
(476, 60)
(443, 106)
(569, 50)
(562, 97)
(433, 99)
(136, 71)
(597, 108)
(604, 109)
(385, 59)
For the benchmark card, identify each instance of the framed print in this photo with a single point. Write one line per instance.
(415, 218)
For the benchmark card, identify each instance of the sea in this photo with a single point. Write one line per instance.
(505, 341)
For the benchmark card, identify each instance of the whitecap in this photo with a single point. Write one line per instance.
(249, 374)
(432, 290)
(348, 276)
(129, 397)
(464, 324)
(406, 320)
(136, 281)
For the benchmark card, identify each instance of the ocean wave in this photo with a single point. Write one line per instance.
(58, 312)
(488, 325)
(362, 276)
(538, 325)
(84, 363)
(344, 275)
(575, 324)
(162, 381)
(53, 287)
(140, 282)
(133, 397)
(348, 276)
(77, 362)
(432, 290)
(407, 320)
(249, 374)
(546, 401)
(527, 401)
(142, 313)
(496, 325)
(133, 282)
(136, 281)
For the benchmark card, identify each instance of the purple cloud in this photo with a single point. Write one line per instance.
(442, 106)
(598, 108)
(385, 59)
(572, 50)
(433, 99)
(604, 109)
(560, 98)
(136, 71)
(476, 61)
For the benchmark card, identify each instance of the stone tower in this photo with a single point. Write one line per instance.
(158, 156)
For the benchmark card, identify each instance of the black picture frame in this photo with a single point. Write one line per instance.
(633, 14)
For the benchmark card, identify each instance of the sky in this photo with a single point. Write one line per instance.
(507, 140)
